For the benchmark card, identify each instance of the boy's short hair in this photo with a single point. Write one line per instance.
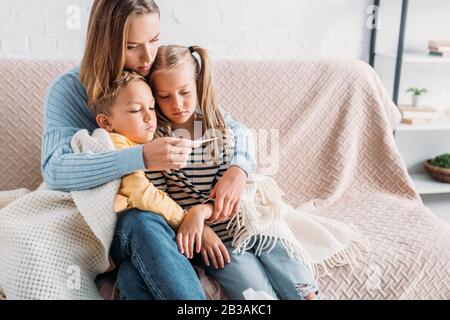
(104, 104)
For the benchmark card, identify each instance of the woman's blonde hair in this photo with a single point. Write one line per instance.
(169, 57)
(105, 104)
(106, 43)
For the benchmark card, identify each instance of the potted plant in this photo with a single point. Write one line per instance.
(417, 94)
(439, 167)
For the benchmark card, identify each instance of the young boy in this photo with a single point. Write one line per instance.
(128, 114)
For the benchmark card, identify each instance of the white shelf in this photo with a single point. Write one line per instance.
(426, 185)
(439, 204)
(413, 57)
(435, 125)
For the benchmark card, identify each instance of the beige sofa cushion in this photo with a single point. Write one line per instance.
(22, 90)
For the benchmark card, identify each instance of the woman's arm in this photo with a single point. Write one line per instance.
(66, 112)
(228, 189)
(244, 155)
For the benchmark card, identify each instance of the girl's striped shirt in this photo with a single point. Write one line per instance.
(192, 185)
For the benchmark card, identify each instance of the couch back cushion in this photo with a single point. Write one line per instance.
(23, 87)
(266, 96)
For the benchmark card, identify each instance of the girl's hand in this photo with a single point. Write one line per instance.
(227, 192)
(190, 230)
(167, 153)
(214, 249)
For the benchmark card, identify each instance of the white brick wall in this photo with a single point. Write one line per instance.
(267, 28)
(228, 28)
(37, 28)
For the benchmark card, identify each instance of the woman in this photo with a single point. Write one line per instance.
(124, 34)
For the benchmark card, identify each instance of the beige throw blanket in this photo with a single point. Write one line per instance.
(53, 244)
(336, 150)
(317, 241)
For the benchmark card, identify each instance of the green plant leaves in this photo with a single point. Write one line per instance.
(442, 161)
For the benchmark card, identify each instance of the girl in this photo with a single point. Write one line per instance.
(124, 34)
(187, 106)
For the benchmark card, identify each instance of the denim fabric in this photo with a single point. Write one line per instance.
(150, 265)
(274, 273)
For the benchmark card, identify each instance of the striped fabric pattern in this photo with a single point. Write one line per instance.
(192, 185)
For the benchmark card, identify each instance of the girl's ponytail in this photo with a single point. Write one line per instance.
(205, 91)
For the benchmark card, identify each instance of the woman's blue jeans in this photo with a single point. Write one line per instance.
(150, 265)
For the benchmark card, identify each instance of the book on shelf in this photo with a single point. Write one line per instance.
(413, 115)
(439, 43)
(408, 107)
(415, 121)
(440, 49)
(439, 53)
(420, 115)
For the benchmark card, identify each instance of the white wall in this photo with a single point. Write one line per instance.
(426, 20)
(228, 28)
(267, 28)
(248, 29)
(41, 28)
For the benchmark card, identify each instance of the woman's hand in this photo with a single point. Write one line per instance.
(214, 249)
(227, 192)
(167, 153)
(190, 230)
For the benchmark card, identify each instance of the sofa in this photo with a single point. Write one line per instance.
(322, 153)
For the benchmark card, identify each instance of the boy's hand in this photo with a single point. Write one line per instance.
(190, 230)
(214, 248)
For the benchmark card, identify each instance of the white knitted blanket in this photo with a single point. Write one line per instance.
(319, 242)
(53, 244)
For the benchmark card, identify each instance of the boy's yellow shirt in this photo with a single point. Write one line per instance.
(136, 191)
